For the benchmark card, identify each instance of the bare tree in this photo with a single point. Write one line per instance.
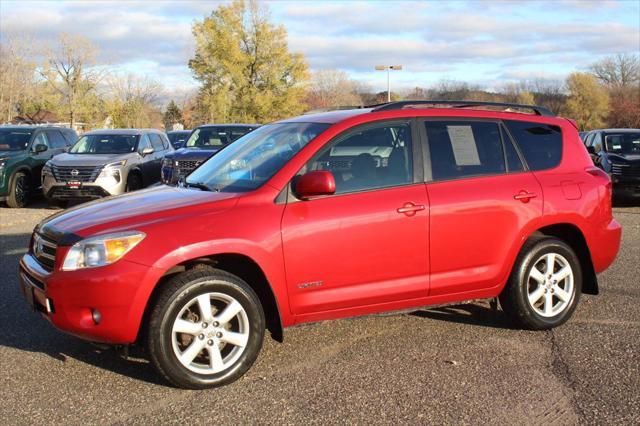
(133, 101)
(621, 70)
(17, 76)
(69, 69)
(330, 88)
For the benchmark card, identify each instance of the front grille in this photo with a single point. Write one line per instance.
(44, 250)
(75, 173)
(185, 167)
(65, 193)
(31, 279)
(625, 170)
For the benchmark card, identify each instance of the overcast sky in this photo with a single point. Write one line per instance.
(483, 42)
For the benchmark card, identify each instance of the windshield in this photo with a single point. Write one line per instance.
(208, 138)
(105, 144)
(14, 140)
(623, 143)
(254, 158)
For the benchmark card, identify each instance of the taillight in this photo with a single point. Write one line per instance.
(607, 191)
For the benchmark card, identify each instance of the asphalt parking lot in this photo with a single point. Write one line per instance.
(462, 365)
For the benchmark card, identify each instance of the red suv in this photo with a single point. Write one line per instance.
(332, 215)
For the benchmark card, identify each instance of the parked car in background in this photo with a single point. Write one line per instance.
(23, 152)
(178, 137)
(583, 135)
(332, 215)
(105, 162)
(617, 152)
(203, 142)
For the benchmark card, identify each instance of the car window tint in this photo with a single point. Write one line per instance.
(56, 139)
(541, 144)
(41, 139)
(237, 132)
(156, 142)
(460, 149)
(513, 160)
(368, 159)
(589, 139)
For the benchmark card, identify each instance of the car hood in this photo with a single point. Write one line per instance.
(131, 210)
(67, 159)
(9, 154)
(192, 154)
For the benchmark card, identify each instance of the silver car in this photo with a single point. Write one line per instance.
(105, 162)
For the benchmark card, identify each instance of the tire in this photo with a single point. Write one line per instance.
(19, 191)
(553, 299)
(224, 348)
(134, 182)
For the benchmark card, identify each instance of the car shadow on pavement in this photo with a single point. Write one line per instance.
(25, 330)
(469, 313)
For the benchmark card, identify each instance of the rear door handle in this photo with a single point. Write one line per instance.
(410, 209)
(524, 196)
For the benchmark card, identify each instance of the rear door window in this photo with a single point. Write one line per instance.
(156, 142)
(461, 149)
(540, 144)
(56, 139)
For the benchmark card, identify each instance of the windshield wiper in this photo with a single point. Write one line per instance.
(200, 185)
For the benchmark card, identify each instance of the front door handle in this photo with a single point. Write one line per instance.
(524, 196)
(410, 209)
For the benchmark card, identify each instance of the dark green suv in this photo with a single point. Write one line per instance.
(23, 152)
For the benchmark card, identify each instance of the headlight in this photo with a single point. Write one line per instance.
(110, 170)
(46, 169)
(167, 162)
(101, 250)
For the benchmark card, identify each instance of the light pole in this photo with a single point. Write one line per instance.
(388, 68)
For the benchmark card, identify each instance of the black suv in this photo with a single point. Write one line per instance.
(203, 142)
(617, 152)
(23, 152)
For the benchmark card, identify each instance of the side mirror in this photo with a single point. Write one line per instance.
(314, 184)
(40, 148)
(591, 150)
(146, 151)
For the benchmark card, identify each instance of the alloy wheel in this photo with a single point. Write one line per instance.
(210, 333)
(550, 285)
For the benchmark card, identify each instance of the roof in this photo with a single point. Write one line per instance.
(33, 127)
(121, 131)
(228, 125)
(618, 130)
(329, 117)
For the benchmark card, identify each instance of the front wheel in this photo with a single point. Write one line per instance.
(206, 329)
(545, 285)
(134, 182)
(19, 191)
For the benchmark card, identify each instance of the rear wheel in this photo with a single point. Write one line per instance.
(19, 191)
(545, 285)
(206, 329)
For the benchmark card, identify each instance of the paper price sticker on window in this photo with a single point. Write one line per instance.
(464, 145)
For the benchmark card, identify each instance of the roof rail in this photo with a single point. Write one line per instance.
(463, 104)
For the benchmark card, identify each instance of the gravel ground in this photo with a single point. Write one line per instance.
(462, 365)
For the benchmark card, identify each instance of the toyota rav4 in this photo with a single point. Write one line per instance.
(332, 215)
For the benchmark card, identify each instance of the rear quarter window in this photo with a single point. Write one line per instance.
(540, 144)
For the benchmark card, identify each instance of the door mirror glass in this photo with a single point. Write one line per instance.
(314, 184)
(39, 148)
(147, 150)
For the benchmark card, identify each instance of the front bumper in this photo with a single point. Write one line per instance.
(101, 187)
(69, 299)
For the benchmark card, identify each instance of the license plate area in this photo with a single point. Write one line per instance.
(74, 184)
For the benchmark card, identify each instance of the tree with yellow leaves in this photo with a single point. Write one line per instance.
(246, 70)
(588, 101)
